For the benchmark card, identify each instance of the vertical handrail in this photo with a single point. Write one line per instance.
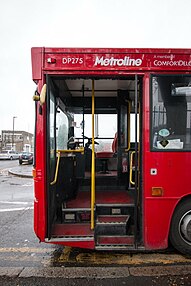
(131, 168)
(136, 161)
(57, 167)
(83, 118)
(93, 161)
(128, 127)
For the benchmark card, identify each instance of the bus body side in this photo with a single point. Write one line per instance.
(166, 171)
(39, 172)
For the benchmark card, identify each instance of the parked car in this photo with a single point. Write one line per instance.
(9, 155)
(26, 157)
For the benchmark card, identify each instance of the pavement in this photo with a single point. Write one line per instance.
(96, 272)
(24, 171)
(150, 276)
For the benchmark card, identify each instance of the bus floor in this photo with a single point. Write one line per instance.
(83, 198)
(113, 211)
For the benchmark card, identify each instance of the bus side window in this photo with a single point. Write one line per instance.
(62, 130)
(171, 125)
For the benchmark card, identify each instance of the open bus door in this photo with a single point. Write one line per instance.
(107, 217)
(118, 224)
(135, 159)
(51, 154)
(124, 109)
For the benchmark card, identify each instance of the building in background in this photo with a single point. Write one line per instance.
(18, 141)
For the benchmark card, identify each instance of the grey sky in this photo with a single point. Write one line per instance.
(77, 23)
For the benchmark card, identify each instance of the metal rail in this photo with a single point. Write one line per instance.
(131, 169)
(93, 161)
(80, 150)
(128, 127)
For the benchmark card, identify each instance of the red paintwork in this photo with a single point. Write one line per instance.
(79, 61)
(40, 198)
(129, 240)
(172, 175)
(172, 167)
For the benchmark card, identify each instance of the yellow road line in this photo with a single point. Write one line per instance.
(26, 249)
(135, 259)
(64, 257)
(97, 258)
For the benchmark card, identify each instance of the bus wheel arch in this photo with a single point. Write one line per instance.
(180, 228)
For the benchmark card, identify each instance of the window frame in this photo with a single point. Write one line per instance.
(151, 111)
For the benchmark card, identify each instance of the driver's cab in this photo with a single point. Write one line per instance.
(105, 136)
(111, 139)
(112, 126)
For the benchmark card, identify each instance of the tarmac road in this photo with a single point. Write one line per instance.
(23, 261)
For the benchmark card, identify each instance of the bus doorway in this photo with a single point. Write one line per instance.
(94, 161)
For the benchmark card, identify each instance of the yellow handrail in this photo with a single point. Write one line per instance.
(128, 127)
(80, 150)
(131, 169)
(93, 161)
(56, 171)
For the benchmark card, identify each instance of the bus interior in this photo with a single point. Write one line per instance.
(93, 160)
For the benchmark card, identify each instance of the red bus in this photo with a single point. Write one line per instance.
(113, 148)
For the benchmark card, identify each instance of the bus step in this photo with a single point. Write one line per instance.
(113, 209)
(76, 215)
(115, 247)
(112, 224)
(103, 240)
(72, 230)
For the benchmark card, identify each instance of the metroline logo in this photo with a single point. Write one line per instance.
(126, 61)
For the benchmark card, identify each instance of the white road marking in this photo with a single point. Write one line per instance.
(16, 209)
(14, 203)
(4, 171)
(27, 185)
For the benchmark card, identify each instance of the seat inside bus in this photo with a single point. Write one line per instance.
(104, 156)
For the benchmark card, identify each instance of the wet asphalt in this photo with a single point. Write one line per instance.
(24, 171)
(90, 270)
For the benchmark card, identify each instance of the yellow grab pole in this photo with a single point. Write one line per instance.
(128, 126)
(131, 168)
(56, 171)
(93, 161)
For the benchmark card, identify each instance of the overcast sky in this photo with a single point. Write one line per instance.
(77, 23)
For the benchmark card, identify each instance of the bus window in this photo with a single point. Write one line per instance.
(107, 125)
(62, 130)
(132, 127)
(52, 142)
(105, 129)
(79, 124)
(171, 113)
